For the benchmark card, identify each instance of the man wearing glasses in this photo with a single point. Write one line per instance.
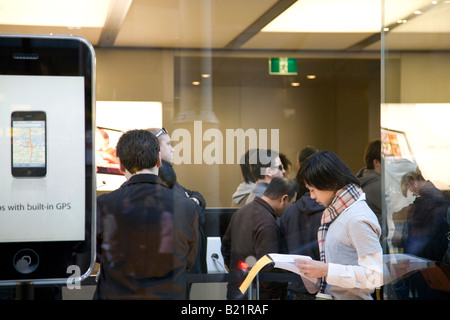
(264, 165)
(165, 144)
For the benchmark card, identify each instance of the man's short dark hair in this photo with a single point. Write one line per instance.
(408, 179)
(325, 171)
(305, 153)
(373, 152)
(245, 168)
(137, 150)
(281, 186)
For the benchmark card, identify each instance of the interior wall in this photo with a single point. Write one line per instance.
(135, 75)
(425, 77)
(333, 113)
(337, 111)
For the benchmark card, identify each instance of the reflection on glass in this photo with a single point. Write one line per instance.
(416, 151)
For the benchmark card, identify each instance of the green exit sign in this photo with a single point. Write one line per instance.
(283, 66)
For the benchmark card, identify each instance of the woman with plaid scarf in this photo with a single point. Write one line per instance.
(350, 265)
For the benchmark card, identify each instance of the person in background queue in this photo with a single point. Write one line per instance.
(146, 236)
(370, 177)
(302, 155)
(165, 144)
(253, 232)
(264, 165)
(239, 197)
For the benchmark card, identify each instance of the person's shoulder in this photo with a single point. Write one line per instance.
(181, 201)
(184, 204)
(107, 197)
(246, 210)
(361, 214)
(360, 210)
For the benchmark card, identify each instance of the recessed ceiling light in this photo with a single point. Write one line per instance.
(206, 75)
(328, 16)
(196, 83)
(295, 84)
(311, 76)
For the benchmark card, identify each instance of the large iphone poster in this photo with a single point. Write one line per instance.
(42, 158)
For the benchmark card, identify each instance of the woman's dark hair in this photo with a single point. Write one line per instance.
(325, 171)
(245, 168)
(137, 150)
(285, 161)
(281, 186)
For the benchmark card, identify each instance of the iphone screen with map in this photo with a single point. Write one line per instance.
(28, 144)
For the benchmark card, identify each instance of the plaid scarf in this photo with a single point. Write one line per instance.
(345, 197)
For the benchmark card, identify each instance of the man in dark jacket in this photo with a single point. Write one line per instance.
(426, 236)
(254, 232)
(147, 236)
(165, 145)
(299, 225)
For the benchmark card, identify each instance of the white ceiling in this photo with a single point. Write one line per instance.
(237, 24)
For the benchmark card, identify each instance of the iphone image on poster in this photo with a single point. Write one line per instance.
(28, 144)
(47, 194)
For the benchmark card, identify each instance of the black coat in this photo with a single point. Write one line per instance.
(299, 225)
(427, 224)
(147, 239)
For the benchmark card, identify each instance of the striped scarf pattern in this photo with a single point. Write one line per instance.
(345, 197)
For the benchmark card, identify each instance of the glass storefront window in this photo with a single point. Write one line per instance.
(415, 135)
(221, 86)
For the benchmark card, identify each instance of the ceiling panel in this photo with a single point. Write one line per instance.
(188, 24)
(237, 24)
(418, 41)
(401, 9)
(429, 30)
(436, 19)
(304, 41)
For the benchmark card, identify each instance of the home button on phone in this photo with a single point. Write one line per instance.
(26, 261)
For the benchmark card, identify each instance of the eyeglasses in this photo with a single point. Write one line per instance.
(280, 167)
(160, 132)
